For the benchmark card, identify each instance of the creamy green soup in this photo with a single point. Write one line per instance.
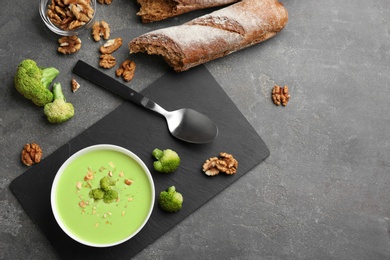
(94, 220)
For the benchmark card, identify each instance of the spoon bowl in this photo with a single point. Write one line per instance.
(185, 124)
(191, 126)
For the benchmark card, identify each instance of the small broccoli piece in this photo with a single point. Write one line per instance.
(106, 182)
(110, 196)
(59, 110)
(33, 82)
(167, 160)
(171, 200)
(105, 191)
(96, 194)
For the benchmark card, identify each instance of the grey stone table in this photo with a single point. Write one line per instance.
(324, 192)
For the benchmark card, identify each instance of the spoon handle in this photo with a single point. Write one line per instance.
(94, 75)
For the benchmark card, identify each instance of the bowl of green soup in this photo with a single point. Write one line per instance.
(102, 195)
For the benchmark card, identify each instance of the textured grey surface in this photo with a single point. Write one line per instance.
(324, 192)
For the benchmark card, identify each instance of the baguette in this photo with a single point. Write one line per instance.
(215, 35)
(157, 10)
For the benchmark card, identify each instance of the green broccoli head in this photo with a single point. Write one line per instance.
(167, 160)
(106, 183)
(171, 200)
(110, 196)
(33, 82)
(105, 191)
(59, 110)
(96, 194)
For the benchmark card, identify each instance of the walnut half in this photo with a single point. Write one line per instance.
(111, 45)
(224, 163)
(107, 61)
(126, 70)
(31, 154)
(280, 95)
(107, 2)
(100, 30)
(69, 44)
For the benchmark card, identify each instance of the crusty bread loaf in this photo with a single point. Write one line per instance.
(215, 35)
(157, 10)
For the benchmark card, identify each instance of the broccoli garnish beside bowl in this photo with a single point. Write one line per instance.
(59, 110)
(33, 82)
(167, 160)
(171, 200)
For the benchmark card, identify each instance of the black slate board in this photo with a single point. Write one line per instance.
(141, 131)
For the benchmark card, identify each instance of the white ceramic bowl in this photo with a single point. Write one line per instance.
(96, 223)
(43, 6)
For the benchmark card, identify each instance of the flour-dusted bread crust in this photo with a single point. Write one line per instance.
(214, 35)
(157, 10)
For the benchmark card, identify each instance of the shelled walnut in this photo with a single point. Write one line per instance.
(69, 44)
(126, 70)
(99, 30)
(107, 61)
(224, 163)
(111, 45)
(75, 85)
(31, 154)
(280, 95)
(107, 2)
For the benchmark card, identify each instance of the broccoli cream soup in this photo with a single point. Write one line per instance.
(103, 197)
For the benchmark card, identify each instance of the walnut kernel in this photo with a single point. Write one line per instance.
(224, 163)
(69, 44)
(69, 14)
(75, 85)
(209, 166)
(99, 30)
(280, 95)
(107, 2)
(31, 154)
(126, 70)
(107, 61)
(111, 45)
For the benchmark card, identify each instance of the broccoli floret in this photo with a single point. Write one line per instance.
(110, 196)
(33, 82)
(59, 110)
(96, 194)
(167, 160)
(171, 200)
(106, 182)
(105, 191)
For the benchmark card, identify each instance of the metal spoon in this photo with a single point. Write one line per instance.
(185, 124)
